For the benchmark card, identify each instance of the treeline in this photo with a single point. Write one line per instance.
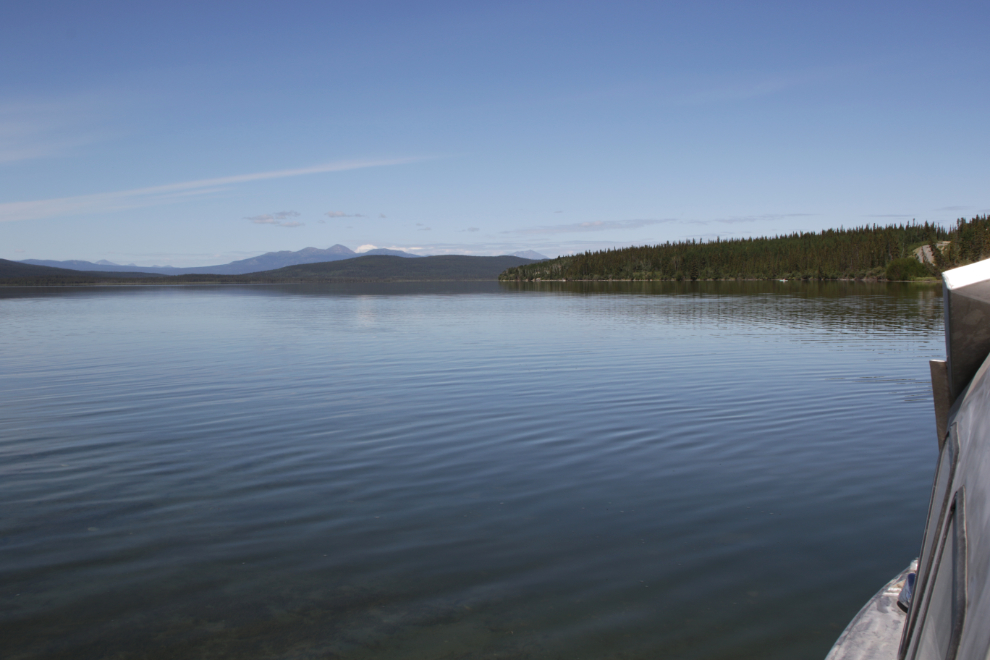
(969, 242)
(859, 253)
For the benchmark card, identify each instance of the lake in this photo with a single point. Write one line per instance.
(707, 470)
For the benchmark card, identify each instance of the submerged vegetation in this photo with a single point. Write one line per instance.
(870, 252)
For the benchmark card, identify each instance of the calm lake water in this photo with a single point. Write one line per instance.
(458, 470)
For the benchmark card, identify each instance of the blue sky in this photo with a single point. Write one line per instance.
(183, 134)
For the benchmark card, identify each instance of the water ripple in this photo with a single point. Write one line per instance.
(561, 470)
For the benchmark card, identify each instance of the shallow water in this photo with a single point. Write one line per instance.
(458, 470)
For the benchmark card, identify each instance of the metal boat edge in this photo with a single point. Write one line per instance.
(939, 606)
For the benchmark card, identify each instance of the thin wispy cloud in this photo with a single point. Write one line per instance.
(890, 215)
(741, 87)
(21, 148)
(341, 214)
(695, 90)
(732, 91)
(32, 129)
(280, 219)
(157, 195)
(619, 225)
(597, 225)
(733, 220)
(953, 208)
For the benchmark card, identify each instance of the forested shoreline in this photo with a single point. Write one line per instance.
(868, 252)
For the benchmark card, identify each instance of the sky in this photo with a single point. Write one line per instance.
(194, 134)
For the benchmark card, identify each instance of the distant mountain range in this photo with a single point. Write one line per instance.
(37, 274)
(267, 261)
(529, 254)
(363, 268)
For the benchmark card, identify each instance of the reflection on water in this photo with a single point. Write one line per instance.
(842, 306)
(570, 470)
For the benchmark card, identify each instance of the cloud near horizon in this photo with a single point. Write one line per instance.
(277, 219)
(598, 225)
(607, 225)
(341, 214)
(173, 192)
(750, 218)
